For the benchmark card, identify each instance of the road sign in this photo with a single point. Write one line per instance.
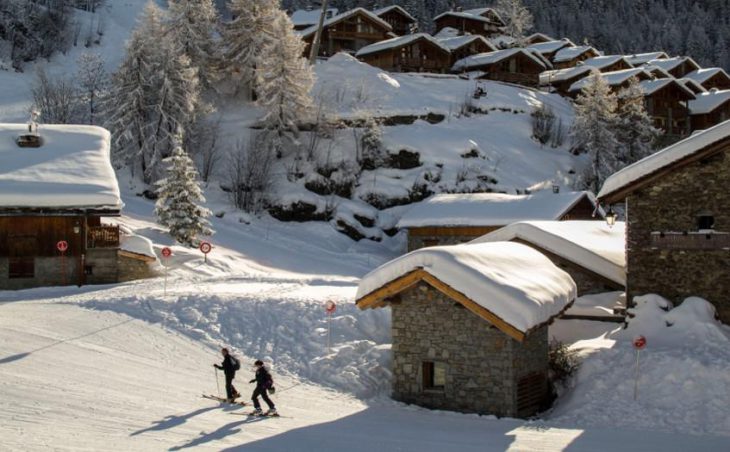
(205, 247)
(62, 245)
(166, 252)
(330, 307)
(639, 342)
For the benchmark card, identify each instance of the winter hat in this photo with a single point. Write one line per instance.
(258, 363)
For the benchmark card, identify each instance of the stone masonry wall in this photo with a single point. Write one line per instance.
(48, 272)
(671, 205)
(482, 363)
(132, 269)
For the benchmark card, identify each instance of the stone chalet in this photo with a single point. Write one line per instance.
(470, 326)
(449, 219)
(347, 32)
(678, 221)
(418, 52)
(56, 185)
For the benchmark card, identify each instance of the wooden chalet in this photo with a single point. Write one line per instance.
(537, 38)
(54, 196)
(305, 18)
(473, 344)
(511, 65)
(692, 85)
(667, 102)
(465, 46)
(450, 219)
(677, 67)
(348, 32)
(411, 53)
(638, 59)
(571, 56)
(399, 19)
(709, 78)
(616, 80)
(677, 220)
(483, 21)
(608, 63)
(548, 49)
(709, 109)
(560, 80)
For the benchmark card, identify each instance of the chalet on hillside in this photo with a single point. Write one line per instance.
(667, 102)
(483, 21)
(608, 63)
(655, 71)
(511, 65)
(709, 78)
(638, 59)
(548, 49)
(537, 38)
(305, 18)
(677, 67)
(470, 332)
(449, 219)
(692, 85)
(709, 109)
(465, 46)
(678, 223)
(348, 32)
(591, 252)
(398, 18)
(411, 53)
(616, 80)
(571, 56)
(561, 80)
(57, 186)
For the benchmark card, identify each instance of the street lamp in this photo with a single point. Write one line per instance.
(611, 217)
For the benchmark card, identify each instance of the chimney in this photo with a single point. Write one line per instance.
(32, 139)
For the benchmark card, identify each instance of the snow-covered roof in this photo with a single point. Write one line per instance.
(539, 36)
(702, 75)
(592, 245)
(559, 75)
(485, 59)
(71, 170)
(387, 9)
(344, 16)
(490, 209)
(550, 46)
(136, 244)
(304, 17)
(457, 42)
(662, 159)
(642, 58)
(601, 62)
(670, 63)
(708, 102)
(569, 53)
(655, 71)
(652, 86)
(490, 275)
(465, 15)
(399, 42)
(613, 78)
(692, 85)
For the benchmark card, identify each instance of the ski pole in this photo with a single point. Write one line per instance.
(217, 384)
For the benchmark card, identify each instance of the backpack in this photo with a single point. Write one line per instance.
(269, 383)
(236, 363)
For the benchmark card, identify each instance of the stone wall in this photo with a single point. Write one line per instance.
(49, 271)
(483, 364)
(131, 269)
(423, 237)
(103, 265)
(671, 205)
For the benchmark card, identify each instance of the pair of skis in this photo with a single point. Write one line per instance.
(241, 403)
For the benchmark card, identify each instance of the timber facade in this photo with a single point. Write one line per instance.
(669, 109)
(517, 68)
(401, 22)
(349, 34)
(421, 55)
(474, 25)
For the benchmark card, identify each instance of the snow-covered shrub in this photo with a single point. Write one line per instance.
(374, 154)
(543, 123)
(562, 363)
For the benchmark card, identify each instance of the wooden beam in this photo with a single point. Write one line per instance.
(375, 298)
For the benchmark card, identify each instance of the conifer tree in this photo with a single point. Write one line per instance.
(178, 206)
(518, 18)
(191, 24)
(635, 130)
(593, 131)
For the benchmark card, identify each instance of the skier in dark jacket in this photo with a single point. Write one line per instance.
(264, 382)
(229, 366)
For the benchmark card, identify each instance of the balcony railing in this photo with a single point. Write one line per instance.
(420, 63)
(103, 237)
(700, 240)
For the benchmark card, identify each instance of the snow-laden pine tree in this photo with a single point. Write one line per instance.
(516, 15)
(192, 24)
(92, 79)
(593, 131)
(243, 40)
(635, 129)
(284, 80)
(178, 205)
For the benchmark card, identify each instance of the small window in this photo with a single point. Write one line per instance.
(705, 222)
(434, 375)
(88, 270)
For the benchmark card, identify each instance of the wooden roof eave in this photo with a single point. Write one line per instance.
(377, 299)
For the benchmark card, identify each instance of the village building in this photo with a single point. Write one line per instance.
(348, 32)
(571, 56)
(677, 220)
(537, 38)
(709, 109)
(411, 53)
(616, 80)
(466, 46)
(449, 219)
(608, 63)
(709, 78)
(655, 71)
(667, 102)
(511, 65)
(591, 252)
(638, 59)
(560, 80)
(548, 49)
(305, 18)
(57, 186)
(399, 19)
(692, 85)
(469, 326)
(677, 67)
(483, 21)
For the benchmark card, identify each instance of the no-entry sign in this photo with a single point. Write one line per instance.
(62, 246)
(166, 252)
(639, 342)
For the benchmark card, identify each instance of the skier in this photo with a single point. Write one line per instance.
(264, 382)
(229, 366)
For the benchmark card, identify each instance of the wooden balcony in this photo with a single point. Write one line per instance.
(103, 237)
(690, 240)
(419, 63)
(343, 34)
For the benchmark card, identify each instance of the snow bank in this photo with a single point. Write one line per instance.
(590, 244)
(138, 245)
(598, 305)
(490, 274)
(71, 168)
